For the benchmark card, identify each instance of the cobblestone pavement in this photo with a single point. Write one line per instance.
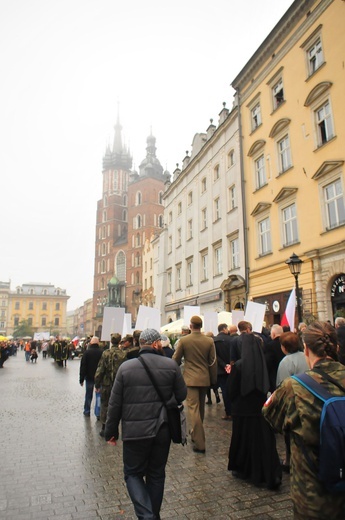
(55, 466)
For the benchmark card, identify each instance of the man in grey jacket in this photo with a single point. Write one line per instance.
(145, 432)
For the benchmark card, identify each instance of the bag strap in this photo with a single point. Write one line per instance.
(328, 377)
(312, 386)
(149, 373)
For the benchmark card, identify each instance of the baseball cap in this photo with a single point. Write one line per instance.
(149, 336)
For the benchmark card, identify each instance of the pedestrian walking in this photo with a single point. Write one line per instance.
(105, 374)
(88, 367)
(145, 433)
(293, 408)
(200, 372)
(252, 454)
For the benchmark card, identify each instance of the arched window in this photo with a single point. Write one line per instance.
(138, 198)
(160, 197)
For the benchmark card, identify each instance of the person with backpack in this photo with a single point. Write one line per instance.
(296, 407)
(105, 374)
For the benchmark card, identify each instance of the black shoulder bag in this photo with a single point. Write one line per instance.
(176, 415)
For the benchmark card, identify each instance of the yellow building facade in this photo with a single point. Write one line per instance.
(292, 125)
(42, 305)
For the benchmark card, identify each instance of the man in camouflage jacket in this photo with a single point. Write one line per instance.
(105, 374)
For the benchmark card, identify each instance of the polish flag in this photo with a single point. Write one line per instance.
(289, 314)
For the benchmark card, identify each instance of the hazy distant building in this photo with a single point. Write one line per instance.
(130, 211)
(5, 288)
(43, 305)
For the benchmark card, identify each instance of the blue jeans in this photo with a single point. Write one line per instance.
(146, 459)
(88, 396)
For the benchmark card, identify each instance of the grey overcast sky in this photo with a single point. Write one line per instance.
(65, 64)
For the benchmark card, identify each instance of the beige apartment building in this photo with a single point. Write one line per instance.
(199, 257)
(291, 108)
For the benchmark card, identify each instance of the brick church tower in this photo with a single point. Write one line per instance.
(130, 211)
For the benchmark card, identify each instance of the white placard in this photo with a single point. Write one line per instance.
(127, 324)
(148, 318)
(237, 316)
(255, 313)
(211, 322)
(112, 321)
(188, 312)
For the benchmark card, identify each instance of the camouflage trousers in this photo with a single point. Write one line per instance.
(105, 396)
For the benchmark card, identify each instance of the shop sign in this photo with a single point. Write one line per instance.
(338, 287)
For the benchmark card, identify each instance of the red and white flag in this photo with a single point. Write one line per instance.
(289, 314)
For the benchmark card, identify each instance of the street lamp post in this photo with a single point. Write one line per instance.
(295, 265)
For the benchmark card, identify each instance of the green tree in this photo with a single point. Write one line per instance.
(23, 329)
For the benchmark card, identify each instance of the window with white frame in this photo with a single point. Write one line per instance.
(284, 154)
(138, 198)
(232, 199)
(256, 116)
(190, 198)
(203, 218)
(203, 185)
(218, 264)
(178, 278)
(160, 197)
(104, 251)
(190, 229)
(315, 56)
(216, 172)
(216, 207)
(170, 244)
(289, 220)
(234, 253)
(334, 204)
(105, 215)
(324, 123)
(204, 266)
(179, 208)
(179, 237)
(189, 272)
(264, 232)
(169, 278)
(260, 173)
(278, 93)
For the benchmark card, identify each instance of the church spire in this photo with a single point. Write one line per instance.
(117, 148)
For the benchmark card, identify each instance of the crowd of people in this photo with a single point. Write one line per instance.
(140, 375)
(250, 371)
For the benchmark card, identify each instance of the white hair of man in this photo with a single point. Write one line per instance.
(276, 330)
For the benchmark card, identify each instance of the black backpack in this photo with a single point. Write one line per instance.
(331, 469)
